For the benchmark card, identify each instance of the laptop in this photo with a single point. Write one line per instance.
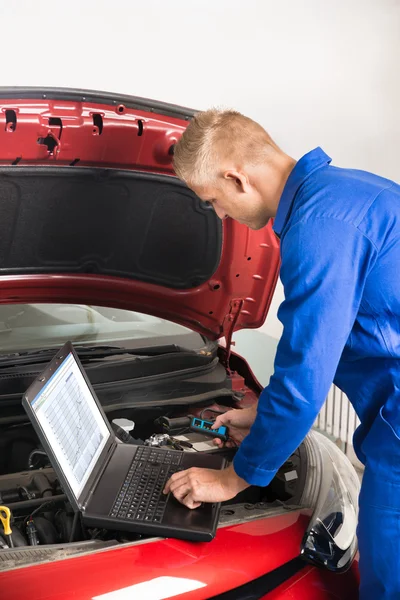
(113, 485)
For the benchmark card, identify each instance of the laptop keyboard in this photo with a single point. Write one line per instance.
(140, 497)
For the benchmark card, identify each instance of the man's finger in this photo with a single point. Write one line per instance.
(181, 491)
(174, 478)
(231, 443)
(175, 485)
(190, 502)
(220, 420)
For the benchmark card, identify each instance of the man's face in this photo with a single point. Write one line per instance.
(232, 197)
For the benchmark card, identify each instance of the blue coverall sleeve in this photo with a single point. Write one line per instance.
(325, 263)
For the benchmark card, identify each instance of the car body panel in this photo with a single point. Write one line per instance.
(238, 554)
(61, 128)
(314, 584)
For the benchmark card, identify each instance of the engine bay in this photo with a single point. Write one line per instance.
(42, 518)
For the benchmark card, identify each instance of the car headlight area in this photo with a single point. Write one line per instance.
(332, 489)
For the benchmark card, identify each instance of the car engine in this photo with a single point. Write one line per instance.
(41, 515)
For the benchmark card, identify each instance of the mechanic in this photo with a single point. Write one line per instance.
(339, 233)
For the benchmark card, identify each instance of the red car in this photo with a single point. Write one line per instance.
(102, 245)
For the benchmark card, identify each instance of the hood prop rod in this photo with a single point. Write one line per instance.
(228, 327)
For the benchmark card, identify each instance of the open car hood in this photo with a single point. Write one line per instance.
(91, 212)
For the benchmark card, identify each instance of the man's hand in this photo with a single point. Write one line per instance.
(238, 422)
(194, 486)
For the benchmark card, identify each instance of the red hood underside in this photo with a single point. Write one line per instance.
(82, 129)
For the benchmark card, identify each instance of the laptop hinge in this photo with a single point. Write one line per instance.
(93, 486)
(228, 327)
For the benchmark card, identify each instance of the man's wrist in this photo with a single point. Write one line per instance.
(235, 483)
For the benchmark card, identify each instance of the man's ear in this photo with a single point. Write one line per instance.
(238, 178)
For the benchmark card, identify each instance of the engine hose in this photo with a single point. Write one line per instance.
(28, 504)
(9, 496)
(42, 485)
(33, 455)
(45, 490)
(46, 531)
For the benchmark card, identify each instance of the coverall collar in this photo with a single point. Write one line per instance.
(309, 163)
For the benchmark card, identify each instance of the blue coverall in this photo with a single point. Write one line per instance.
(340, 250)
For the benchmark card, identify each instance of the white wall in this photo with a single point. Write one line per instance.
(311, 72)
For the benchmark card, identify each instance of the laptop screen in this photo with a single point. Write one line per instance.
(72, 423)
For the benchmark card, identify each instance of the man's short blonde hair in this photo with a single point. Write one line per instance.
(216, 135)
